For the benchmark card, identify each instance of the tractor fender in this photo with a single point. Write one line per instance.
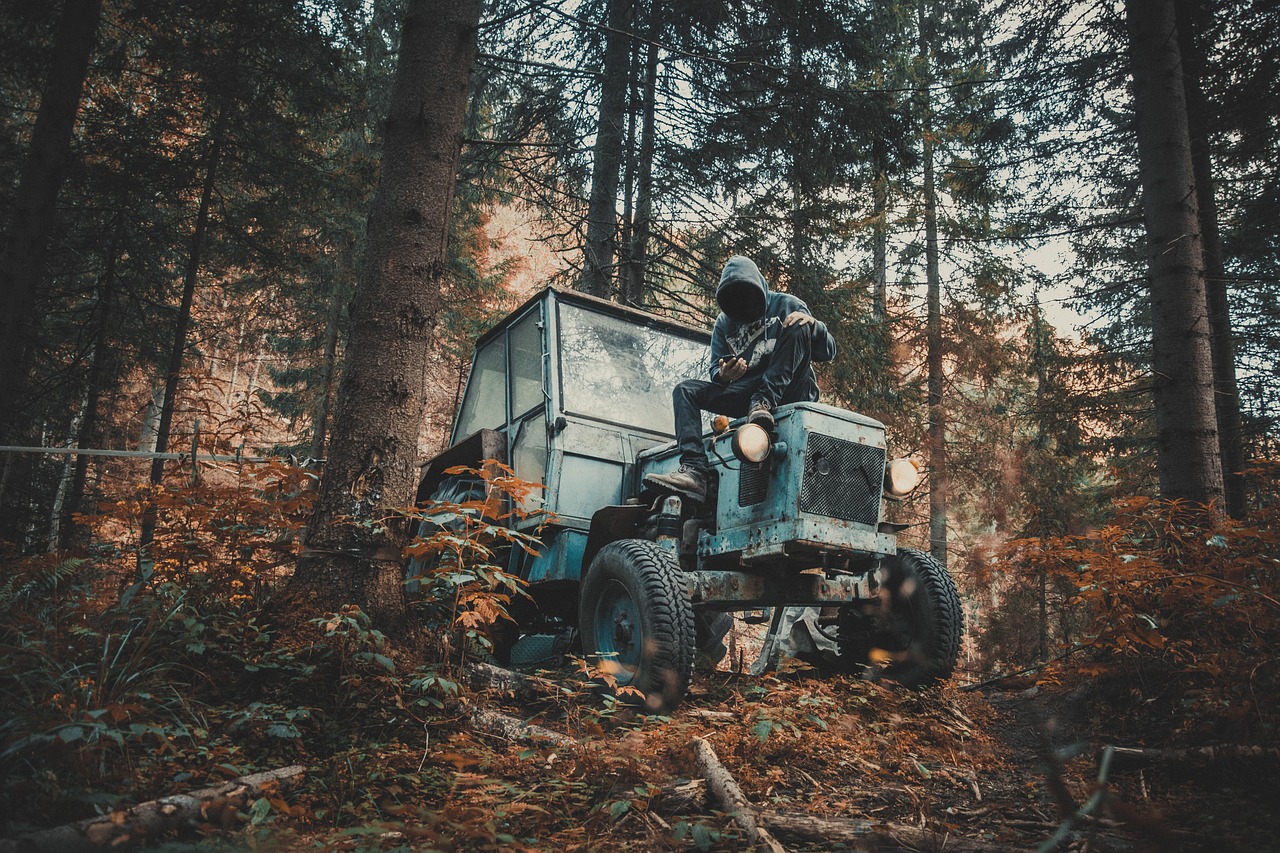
(609, 524)
(471, 451)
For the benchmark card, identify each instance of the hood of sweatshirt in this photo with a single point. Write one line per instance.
(743, 292)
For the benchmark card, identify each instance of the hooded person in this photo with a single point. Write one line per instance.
(763, 347)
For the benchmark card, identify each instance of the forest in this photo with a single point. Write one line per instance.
(250, 247)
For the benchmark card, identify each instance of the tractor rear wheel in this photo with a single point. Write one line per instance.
(912, 634)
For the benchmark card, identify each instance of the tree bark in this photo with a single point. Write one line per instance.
(34, 203)
(329, 380)
(638, 259)
(513, 729)
(372, 469)
(602, 211)
(173, 371)
(874, 835)
(938, 476)
(880, 233)
(95, 385)
(1221, 342)
(1182, 366)
(1134, 758)
(724, 788)
(484, 676)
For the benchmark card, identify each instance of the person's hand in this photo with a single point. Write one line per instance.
(732, 369)
(798, 318)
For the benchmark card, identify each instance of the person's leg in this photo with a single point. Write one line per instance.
(692, 397)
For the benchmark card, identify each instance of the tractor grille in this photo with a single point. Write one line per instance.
(842, 479)
(753, 483)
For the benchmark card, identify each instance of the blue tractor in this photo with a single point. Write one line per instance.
(574, 392)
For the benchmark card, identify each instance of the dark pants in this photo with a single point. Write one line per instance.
(787, 379)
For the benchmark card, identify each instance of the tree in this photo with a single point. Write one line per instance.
(354, 545)
(31, 222)
(602, 215)
(1222, 347)
(938, 473)
(1182, 366)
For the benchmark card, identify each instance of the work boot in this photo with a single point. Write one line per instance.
(690, 481)
(761, 413)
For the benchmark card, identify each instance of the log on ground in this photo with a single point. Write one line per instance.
(725, 791)
(515, 729)
(223, 805)
(873, 835)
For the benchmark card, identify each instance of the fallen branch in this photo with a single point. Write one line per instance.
(872, 835)
(712, 716)
(1133, 758)
(223, 805)
(681, 798)
(484, 676)
(516, 729)
(730, 797)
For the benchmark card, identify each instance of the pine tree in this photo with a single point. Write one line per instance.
(372, 466)
(1186, 426)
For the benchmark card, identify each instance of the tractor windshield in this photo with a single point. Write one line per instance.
(617, 370)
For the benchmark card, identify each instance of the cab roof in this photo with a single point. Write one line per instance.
(595, 303)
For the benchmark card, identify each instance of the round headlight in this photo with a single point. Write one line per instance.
(901, 476)
(751, 443)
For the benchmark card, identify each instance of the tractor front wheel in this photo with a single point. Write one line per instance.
(636, 623)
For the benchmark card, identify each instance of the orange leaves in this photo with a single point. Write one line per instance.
(1166, 588)
(463, 548)
(228, 531)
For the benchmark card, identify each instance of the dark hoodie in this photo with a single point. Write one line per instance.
(743, 290)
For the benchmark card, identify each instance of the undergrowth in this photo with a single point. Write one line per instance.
(1177, 616)
(195, 678)
(188, 679)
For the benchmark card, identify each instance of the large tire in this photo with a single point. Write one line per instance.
(461, 489)
(710, 627)
(636, 620)
(912, 635)
(454, 489)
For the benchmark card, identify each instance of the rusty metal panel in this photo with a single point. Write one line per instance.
(747, 590)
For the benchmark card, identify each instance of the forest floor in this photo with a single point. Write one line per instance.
(1014, 766)
(544, 762)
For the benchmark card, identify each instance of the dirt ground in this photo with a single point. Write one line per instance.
(1010, 766)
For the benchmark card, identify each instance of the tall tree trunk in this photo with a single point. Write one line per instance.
(94, 387)
(880, 233)
(1042, 381)
(798, 222)
(173, 372)
(57, 518)
(1221, 343)
(353, 554)
(639, 255)
(31, 221)
(938, 476)
(1182, 364)
(629, 156)
(329, 381)
(602, 211)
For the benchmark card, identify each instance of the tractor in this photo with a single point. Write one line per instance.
(574, 393)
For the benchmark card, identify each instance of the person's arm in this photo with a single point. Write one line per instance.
(719, 348)
(824, 343)
(722, 369)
